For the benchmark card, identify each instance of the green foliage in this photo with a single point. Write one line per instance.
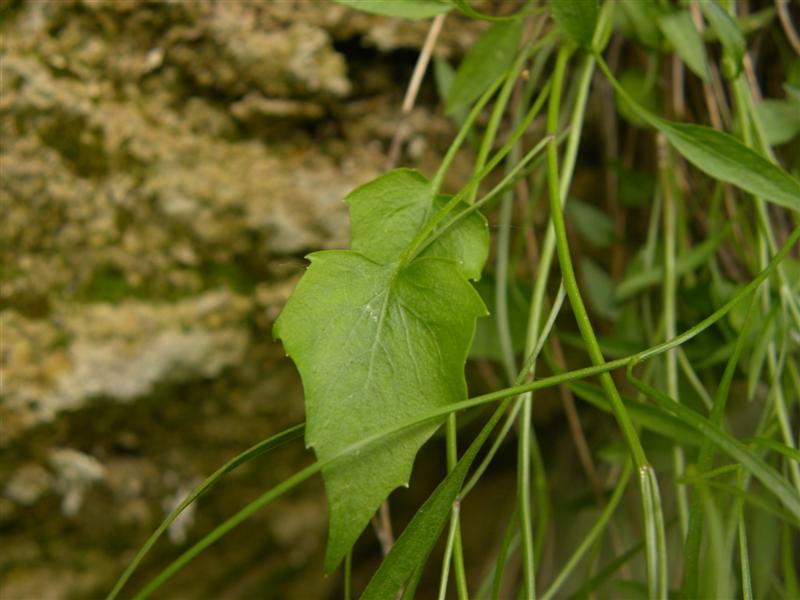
(724, 157)
(380, 333)
(679, 29)
(578, 18)
(727, 31)
(388, 343)
(591, 223)
(491, 55)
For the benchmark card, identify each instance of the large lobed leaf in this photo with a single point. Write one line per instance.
(379, 342)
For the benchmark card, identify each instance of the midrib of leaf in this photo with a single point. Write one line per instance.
(381, 318)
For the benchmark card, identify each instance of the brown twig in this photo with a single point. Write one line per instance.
(413, 89)
(782, 6)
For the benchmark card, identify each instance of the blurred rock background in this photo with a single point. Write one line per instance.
(165, 167)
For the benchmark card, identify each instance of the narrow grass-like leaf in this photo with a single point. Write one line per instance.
(758, 354)
(266, 445)
(491, 55)
(578, 18)
(721, 156)
(686, 263)
(771, 479)
(406, 9)
(414, 545)
(679, 29)
(593, 224)
(655, 542)
(651, 418)
(597, 529)
(790, 453)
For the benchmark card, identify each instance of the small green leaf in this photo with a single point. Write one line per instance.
(592, 224)
(726, 158)
(406, 9)
(721, 155)
(378, 341)
(679, 29)
(640, 279)
(486, 343)
(599, 288)
(641, 18)
(758, 355)
(578, 18)
(492, 54)
(635, 187)
(780, 119)
(727, 31)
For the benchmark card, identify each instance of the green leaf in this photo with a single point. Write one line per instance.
(599, 288)
(780, 119)
(727, 31)
(377, 342)
(722, 156)
(406, 9)
(641, 18)
(578, 18)
(492, 54)
(638, 280)
(687, 42)
(486, 343)
(644, 415)
(389, 211)
(594, 225)
(735, 449)
(413, 547)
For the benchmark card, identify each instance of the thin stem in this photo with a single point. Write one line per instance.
(650, 496)
(598, 528)
(670, 327)
(272, 442)
(476, 177)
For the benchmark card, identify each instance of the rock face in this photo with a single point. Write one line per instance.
(165, 167)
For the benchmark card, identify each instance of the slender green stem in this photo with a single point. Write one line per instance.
(594, 533)
(669, 315)
(448, 553)
(429, 227)
(272, 442)
(449, 157)
(692, 559)
(654, 524)
(456, 548)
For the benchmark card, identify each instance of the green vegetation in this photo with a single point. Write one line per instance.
(688, 327)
